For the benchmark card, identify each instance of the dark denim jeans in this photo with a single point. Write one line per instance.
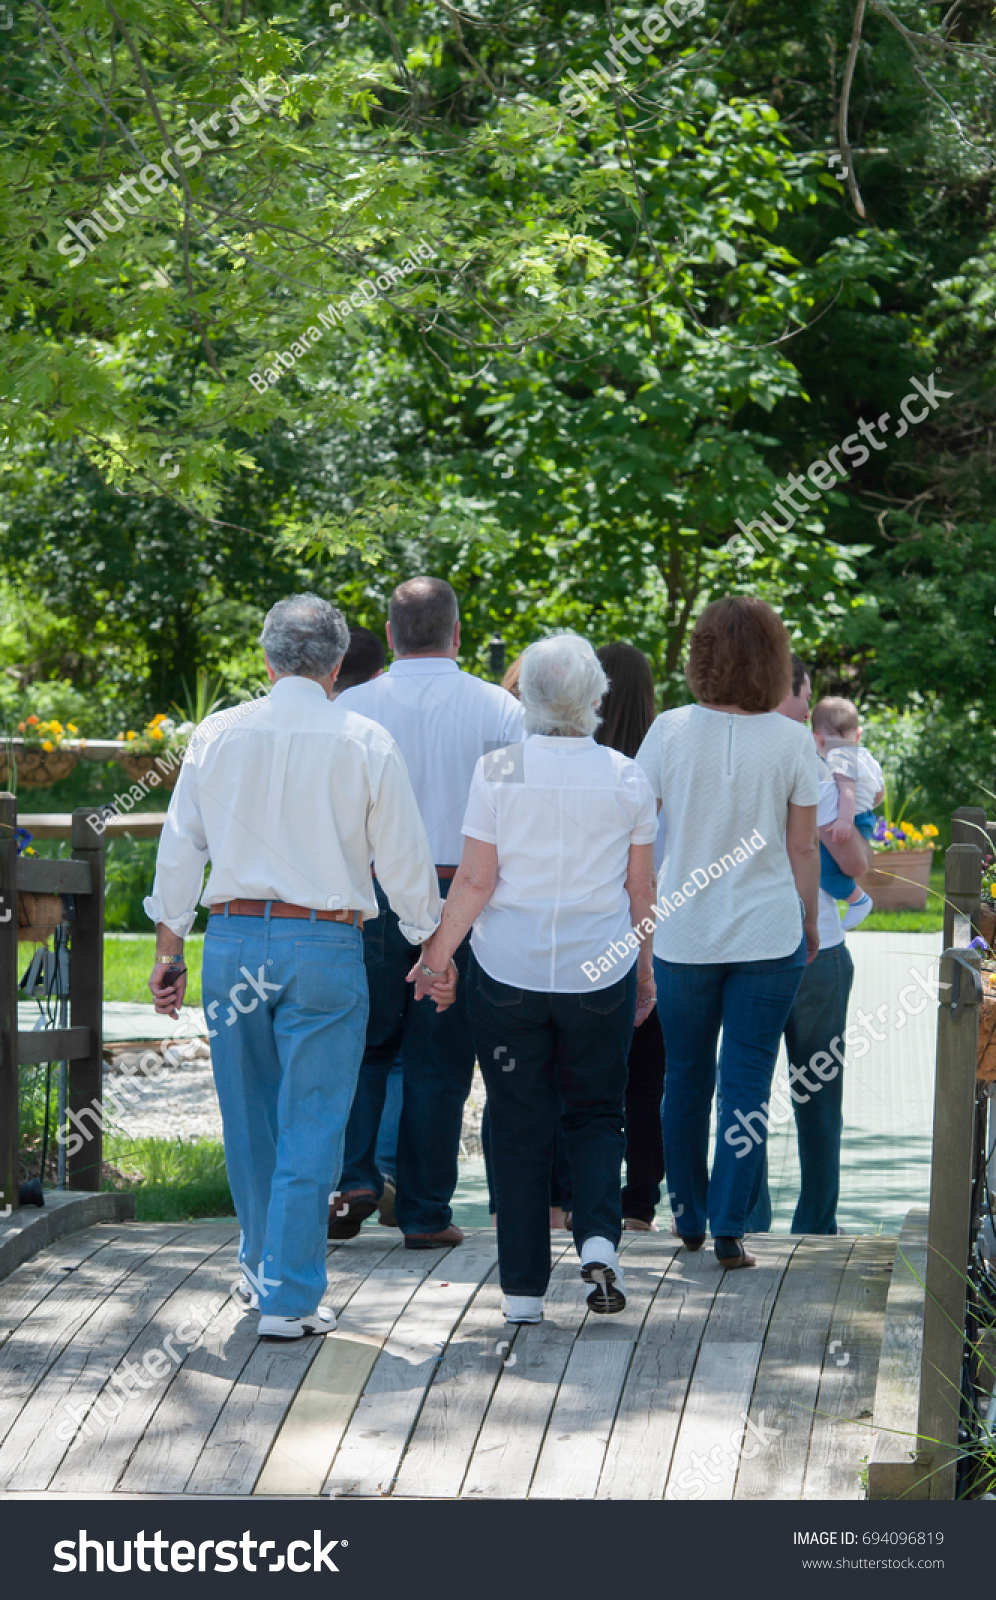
(818, 1017)
(749, 1001)
(547, 1057)
(437, 1066)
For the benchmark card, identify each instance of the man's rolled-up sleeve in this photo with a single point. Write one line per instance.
(399, 845)
(181, 859)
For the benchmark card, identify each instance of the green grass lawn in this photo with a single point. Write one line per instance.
(172, 1179)
(128, 962)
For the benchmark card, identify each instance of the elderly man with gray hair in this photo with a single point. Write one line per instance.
(289, 805)
(557, 869)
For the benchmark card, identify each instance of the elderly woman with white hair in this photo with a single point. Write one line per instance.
(557, 871)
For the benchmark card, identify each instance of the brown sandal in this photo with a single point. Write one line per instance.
(729, 1259)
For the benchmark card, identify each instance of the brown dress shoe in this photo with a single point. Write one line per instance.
(430, 1241)
(349, 1211)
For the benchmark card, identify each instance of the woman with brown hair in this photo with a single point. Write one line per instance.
(627, 712)
(737, 907)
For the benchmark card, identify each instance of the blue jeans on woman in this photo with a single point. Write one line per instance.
(750, 1001)
(549, 1058)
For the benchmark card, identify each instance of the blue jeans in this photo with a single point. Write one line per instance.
(386, 1153)
(750, 1001)
(833, 880)
(285, 1066)
(549, 1058)
(817, 1019)
(437, 1067)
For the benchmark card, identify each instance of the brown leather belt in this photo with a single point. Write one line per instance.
(280, 908)
(446, 872)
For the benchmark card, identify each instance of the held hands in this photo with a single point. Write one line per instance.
(168, 986)
(442, 989)
(841, 832)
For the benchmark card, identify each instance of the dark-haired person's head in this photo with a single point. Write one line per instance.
(796, 702)
(739, 655)
(423, 619)
(628, 708)
(364, 659)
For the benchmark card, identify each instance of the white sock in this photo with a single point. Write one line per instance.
(857, 911)
(596, 1249)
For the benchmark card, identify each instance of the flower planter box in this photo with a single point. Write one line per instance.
(157, 772)
(899, 880)
(37, 769)
(38, 916)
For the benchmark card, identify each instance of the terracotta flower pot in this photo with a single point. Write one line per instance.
(899, 880)
(36, 769)
(158, 772)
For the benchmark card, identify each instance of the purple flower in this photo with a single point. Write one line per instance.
(978, 943)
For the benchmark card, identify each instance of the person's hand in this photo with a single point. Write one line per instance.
(841, 832)
(168, 986)
(812, 932)
(646, 996)
(442, 989)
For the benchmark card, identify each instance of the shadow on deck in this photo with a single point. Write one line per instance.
(752, 1385)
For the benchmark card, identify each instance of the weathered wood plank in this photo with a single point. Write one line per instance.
(23, 1291)
(646, 1425)
(53, 877)
(841, 1439)
(369, 1456)
(54, 1044)
(42, 1434)
(240, 1441)
(96, 1464)
(713, 1420)
(574, 1448)
(892, 1469)
(514, 1428)
(775, 1446)
(38, 1342)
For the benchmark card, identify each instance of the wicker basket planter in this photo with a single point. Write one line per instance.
(37, 769)
(155, 772)
(986, 1070)
(902, 880)
(38, 916)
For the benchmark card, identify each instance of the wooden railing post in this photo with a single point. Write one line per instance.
(86, 992)
(950, 1215)
(964, 825)
(9, 1163)
(962, 885)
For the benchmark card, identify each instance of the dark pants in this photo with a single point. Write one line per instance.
(644, 1138)
(437, 1066)
(547, 1057)
(750, 1001)
(817, 1019)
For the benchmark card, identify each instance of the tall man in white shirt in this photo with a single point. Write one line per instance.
(289, 799)
(443, 721)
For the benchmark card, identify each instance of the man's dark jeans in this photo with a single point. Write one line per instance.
(818, 1017)
(437, 1066)
(547, 1057)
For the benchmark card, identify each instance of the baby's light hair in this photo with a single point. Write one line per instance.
(835, 715)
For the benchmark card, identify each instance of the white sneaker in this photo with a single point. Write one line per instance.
(322, 1320)
(522, 1307)
(245, 1295)
(600, 1266)
(857, 912)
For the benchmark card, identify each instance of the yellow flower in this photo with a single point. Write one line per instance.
(160, 716)
(156, 733)
(47, 745)
(131, 735)
(930, 830)
(71, 727)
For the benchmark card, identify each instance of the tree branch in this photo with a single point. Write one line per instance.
(845, 101)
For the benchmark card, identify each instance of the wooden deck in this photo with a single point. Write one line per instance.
(753, 1385)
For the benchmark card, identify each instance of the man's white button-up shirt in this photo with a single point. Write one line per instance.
(289, 799)
(443, 720)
